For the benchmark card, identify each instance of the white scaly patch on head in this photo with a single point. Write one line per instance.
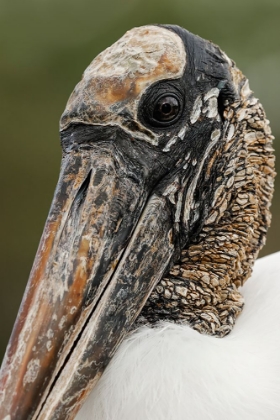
(141, 51)
(215, 136)
(117, 78)
(207, 105)
(196, 111)
(173, 140)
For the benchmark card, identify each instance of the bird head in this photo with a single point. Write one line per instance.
(160, 139)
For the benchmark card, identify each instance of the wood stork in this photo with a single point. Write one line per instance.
(161, 207)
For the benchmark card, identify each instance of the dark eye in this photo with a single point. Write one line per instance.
(162, 105)
(166, 109)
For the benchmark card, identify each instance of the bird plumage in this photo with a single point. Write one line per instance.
(172, 372)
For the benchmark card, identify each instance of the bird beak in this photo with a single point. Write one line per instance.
(107, 241)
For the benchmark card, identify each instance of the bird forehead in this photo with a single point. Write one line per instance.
(119, 75)
(147, 52)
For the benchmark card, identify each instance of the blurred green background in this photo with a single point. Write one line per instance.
(45, 47)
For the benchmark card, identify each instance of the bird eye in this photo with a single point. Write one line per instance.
(166, 109)
(162, 105)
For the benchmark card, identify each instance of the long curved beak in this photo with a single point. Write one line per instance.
(106, 243)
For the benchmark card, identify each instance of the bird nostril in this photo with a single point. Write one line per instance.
(80, 197)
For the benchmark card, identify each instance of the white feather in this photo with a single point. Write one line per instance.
(173, 373)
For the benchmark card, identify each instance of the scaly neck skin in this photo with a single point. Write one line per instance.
(201, 289)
